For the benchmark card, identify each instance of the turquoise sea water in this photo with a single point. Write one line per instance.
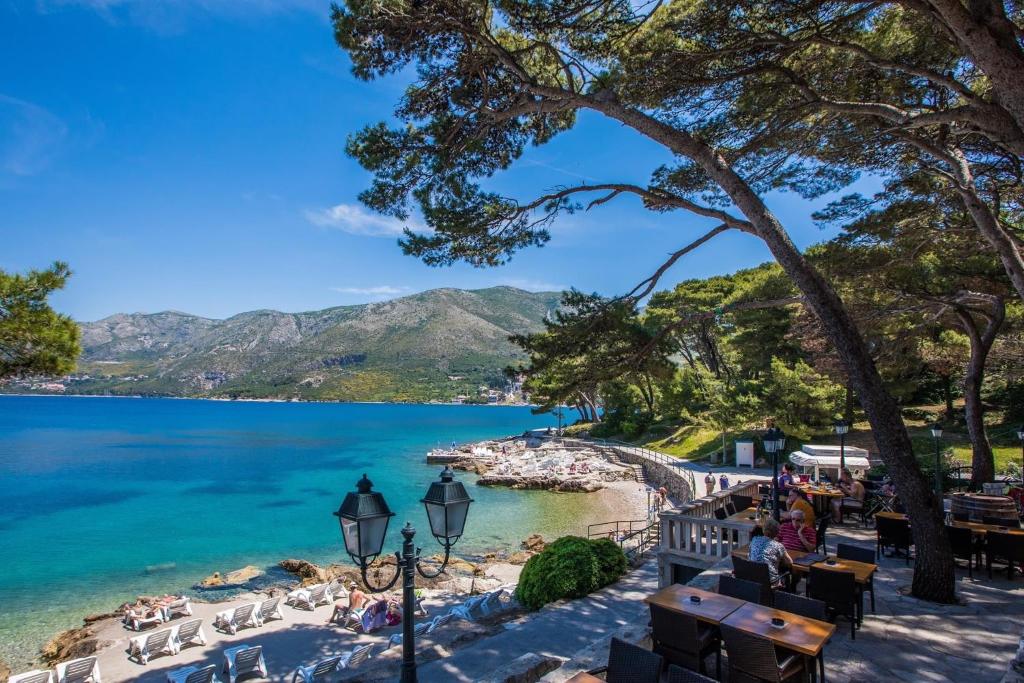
(104, 499)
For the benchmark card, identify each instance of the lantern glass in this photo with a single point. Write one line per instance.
(1020, 433)
(447, 506)
(364, 517)
(842, 427)
(370, 536)
(937, 431)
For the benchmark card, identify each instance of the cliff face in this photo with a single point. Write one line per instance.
(433, 345)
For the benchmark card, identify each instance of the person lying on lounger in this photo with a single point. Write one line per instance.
(355, 601)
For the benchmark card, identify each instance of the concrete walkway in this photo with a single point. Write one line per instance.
(559, 630)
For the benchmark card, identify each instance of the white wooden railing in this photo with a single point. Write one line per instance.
(693, 531)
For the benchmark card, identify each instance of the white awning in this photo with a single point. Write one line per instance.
(853, 461)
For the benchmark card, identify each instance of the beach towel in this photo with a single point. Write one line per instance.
(374, 617)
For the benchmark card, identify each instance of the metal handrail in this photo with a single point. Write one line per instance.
(591, 533)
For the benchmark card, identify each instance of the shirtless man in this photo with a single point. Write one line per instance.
(356, 600)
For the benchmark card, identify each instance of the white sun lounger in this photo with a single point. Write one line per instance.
(355, 657)
(316, 672)
(143, 648)
(194, 674)
(417, 630)
(137, 623)
(244, 659)
(439, 621)
(269, 609)
(309, 598)
(465, 610)
(79, 671)
(37, 676)
(233, 619)
(189, 633)
(179, 606)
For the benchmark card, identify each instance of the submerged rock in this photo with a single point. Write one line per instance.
(306, 571)
(534, 543)
(247, 573)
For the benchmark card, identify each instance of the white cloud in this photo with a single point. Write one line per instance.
(356, 220)
(379, 290)
(533, 285)
(30, 136)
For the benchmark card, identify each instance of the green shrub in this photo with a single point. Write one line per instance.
(611, 563)
(570, 567)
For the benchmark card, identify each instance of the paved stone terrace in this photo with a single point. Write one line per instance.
(907, 639)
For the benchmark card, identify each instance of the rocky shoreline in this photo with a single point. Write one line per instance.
(527, 462)
(462, 576)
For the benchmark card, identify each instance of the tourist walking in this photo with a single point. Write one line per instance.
(709, 483)
(723, 482)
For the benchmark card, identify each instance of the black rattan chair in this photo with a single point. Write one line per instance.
(678, 675)
(720, 513)
(1003, 546)
(964, 547)
(845, 551)
(961, 517)
(758, 573)
(628, 663)
(820, 533)
(838, 590)
(681, 640)
(739, 588)
(1000, 521)
(753, 657)
(892, 533)
(805, 607)
(730, 507)
(741, 502)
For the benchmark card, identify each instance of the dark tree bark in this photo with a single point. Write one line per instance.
(947, 395)
(982, 338)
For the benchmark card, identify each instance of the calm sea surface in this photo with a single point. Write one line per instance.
(103, 499)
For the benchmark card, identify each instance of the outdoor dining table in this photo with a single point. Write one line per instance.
(821, 496)
(862, 571)
(748, 516)
(978, 528)
(712, 608)
(800, 634)
(584, 677)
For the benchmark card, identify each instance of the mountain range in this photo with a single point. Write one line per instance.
(434, 345)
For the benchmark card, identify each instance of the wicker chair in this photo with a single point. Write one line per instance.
(739, 588)
(754, 658)
(681, 640)
(819, 535)
(741, 502)
(678, 675)
(845, 551)
(758, 573)
(894, 533)
(838, 590)
(964, 547)
(805, 607)
(1009, 547)
(629, 663)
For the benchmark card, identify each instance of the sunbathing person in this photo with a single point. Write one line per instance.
(343, 606)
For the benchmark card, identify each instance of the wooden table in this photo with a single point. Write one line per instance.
(711, 609)
(862, 571)
(743, 517)
(800, 634)
(584, 677)
(978, 528)
(812, 490)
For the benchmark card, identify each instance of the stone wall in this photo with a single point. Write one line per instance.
(658, 475)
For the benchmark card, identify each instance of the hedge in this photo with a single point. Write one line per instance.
(570, 567)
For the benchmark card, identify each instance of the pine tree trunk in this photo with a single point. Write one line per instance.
(947, 394)
(983, 467)
(934, 576)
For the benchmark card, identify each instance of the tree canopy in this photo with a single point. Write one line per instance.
(34, 339)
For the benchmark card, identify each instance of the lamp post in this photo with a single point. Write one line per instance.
(937, 435)
(842, 427)
(774, 440)
(364, 516)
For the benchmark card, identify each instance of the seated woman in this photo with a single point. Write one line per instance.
(853, 496)
(767, 549)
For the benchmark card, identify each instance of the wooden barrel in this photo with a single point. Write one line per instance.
(978, 505)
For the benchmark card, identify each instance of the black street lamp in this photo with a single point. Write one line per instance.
(937, 435)
(842, 427)
(774, 441)
(364, 517)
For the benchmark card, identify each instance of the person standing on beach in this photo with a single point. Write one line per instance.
(709, 483)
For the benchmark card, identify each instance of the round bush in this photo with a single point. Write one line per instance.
(570, 567)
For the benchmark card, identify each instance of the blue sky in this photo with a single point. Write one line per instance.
(188, 155)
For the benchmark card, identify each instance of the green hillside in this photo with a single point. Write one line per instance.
(429, 346)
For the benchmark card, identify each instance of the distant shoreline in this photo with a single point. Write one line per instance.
(273, 400)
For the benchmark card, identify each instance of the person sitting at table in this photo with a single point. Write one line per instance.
(797, 534)
(853, 496)
(767, 549)
(786, 479)
(797, 500)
